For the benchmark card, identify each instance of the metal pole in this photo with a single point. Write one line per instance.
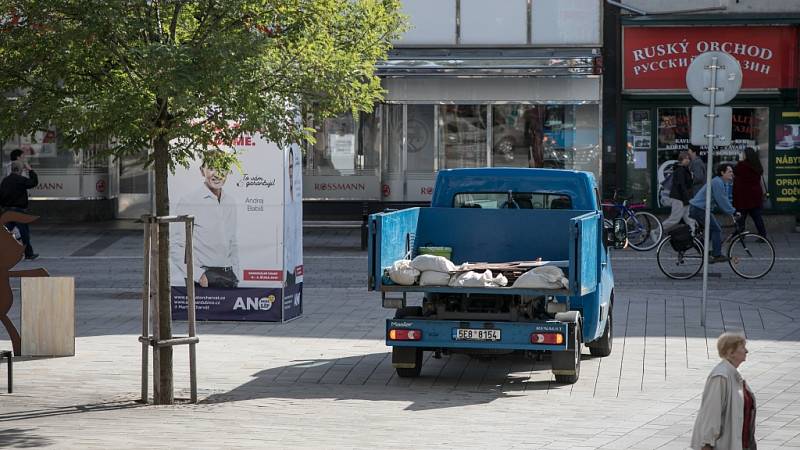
(709, 168)
(155, 310)
(189, 259)
(145, 309)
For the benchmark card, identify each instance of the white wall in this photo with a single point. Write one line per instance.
(502, 23)
(498, 22)
(432, 22)
(566, 22)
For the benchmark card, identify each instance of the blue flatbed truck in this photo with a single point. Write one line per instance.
(500, 215)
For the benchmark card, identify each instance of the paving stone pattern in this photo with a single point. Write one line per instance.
(326, 381)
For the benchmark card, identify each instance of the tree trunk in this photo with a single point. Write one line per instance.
(161, 147)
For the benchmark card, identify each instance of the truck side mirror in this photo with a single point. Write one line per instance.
(620, 233)
(615, 234)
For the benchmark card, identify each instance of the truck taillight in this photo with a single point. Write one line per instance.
(547, 338)
(405, 335)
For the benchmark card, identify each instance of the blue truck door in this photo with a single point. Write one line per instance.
(585, 265)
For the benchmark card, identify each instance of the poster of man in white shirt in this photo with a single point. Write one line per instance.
(216, 244)
(247, 240)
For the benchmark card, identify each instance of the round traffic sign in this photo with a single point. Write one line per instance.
(729, 77)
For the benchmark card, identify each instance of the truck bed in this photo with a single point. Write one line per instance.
(571, 237)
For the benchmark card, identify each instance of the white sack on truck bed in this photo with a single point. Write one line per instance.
(434, 278)
(434, 263)
(544, 277)
(402, 273)
(475, 279)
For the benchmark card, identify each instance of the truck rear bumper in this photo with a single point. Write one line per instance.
(437, 334)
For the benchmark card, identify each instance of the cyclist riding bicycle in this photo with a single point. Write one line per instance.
(719, 198)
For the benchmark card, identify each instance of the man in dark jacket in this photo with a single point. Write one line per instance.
(14, 197)
(681, 193)
(697, 167)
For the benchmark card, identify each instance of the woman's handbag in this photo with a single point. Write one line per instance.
(766, 202)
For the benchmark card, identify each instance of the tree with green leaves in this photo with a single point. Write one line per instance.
(171, 76)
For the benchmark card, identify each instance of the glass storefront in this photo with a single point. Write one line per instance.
(637, 151)
(344, 162)
(785, 161)
(656, 136)
(64, 174)
(462, 135)
(550, 136)
(420, 139)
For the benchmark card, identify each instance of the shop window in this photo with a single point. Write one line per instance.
(344, 162)
(462, 136)
(393, 150)
(63, 173)
(420, 139)
(637, 151)
(514, 128)
(42, 150)
(786, 184)
(345, 146)
(550, 136)
(750, 128)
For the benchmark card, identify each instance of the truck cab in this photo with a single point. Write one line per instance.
(492, 217)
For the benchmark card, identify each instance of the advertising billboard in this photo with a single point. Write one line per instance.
(247, 240)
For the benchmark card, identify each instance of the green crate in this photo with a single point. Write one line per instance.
(447, 252)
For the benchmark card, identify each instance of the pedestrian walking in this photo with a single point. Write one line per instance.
(698, 169)
(719, 198)
(748, 193)
(15, 154)
(14, 197)
(727, 416)
(680, 193)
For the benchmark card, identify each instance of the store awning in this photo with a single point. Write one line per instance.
(490, 62)
(713, 19)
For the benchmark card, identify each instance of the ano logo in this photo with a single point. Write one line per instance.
(254, 303)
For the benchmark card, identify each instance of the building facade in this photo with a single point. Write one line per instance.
(516, 83)
(471, 84)
(653, 52)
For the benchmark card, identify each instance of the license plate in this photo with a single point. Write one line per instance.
(475, 334)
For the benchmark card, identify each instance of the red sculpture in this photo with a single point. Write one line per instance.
(11, 252)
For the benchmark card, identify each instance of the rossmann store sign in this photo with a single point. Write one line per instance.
(656, 58)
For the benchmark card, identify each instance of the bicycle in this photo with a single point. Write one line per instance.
(750, 255)
(644, 229)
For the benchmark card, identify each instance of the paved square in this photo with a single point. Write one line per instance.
(325, 380)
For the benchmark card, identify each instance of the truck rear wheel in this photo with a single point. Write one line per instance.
(602, 346)
(402, 354)
(407, 356)
(567, 364)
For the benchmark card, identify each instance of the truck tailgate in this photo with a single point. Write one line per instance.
(506, 335)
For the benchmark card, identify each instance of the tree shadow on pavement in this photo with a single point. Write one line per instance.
(66, 410)
(22, 438)
(451, 382)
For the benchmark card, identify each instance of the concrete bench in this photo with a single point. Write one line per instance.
(340, 224)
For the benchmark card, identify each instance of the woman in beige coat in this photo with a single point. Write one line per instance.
(727, 416)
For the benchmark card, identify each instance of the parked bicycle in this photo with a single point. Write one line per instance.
(749, 255)
(644, 229)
